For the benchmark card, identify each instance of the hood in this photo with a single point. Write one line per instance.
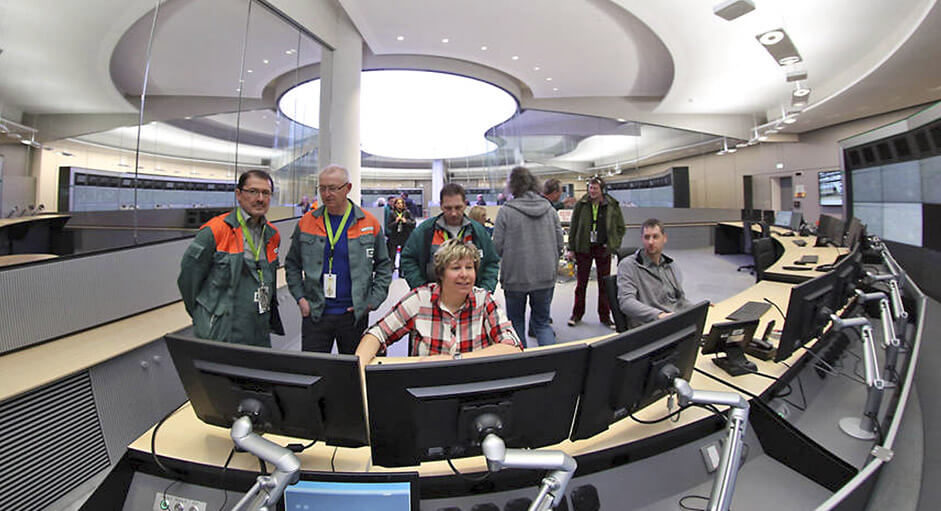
(530, 204)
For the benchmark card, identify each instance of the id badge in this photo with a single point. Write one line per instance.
(330, 285)
(593, 238)
(263, 299)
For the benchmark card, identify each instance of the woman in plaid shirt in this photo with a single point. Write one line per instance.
(447, 318)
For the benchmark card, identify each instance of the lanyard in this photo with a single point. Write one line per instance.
(594, 216)
(255, 251)
(447, 235)
(400, 216)
(331, 237)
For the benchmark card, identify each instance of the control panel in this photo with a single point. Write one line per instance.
(167, 502)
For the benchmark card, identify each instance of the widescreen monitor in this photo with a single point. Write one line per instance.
(624, 371)
(830, 184)
(808, 311)
(426, 411)
(394, 491)
(831, 228)
(783, 219)
(767, 216)
(797, 220)
(304, 395)
(847, 273)
(855, 231)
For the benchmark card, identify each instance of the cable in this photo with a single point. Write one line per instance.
(764, 375)
(225, 492)
(875, 422)
(688, 508)
(727, 384)
(661, 419)
(333, 467)
(783, 316)
(153, 446)
(467, 477)
(165, 490)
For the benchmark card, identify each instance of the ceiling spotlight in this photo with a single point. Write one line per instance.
(249, 71)
(536, 68)
(445, 40)
(264, 61)
(790, 120)
(548, 78)
(771, 131)
(555, 89)
(800, 92)
(725, 147)
(771, 38)
(731, 9)
(762, 138)
(400, 38)
(621, 119)
(483, 48)
(731, 150)
(741, 145)
(789, 61)
(515, 57)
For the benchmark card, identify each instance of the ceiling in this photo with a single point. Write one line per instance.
(671, 62)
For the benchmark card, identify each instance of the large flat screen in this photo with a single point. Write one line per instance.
(831, 187)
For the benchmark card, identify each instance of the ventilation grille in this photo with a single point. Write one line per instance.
(50, 442)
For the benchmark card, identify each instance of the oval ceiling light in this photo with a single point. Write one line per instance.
(771, 38)
(415, 114)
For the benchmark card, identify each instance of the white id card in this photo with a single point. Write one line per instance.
(330, 285)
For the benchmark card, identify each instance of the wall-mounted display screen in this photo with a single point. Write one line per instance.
(831, 187)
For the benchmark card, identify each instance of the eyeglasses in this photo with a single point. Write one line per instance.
(331, 189)
(254, 192)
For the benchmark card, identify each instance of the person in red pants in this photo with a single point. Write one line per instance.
(597, 228)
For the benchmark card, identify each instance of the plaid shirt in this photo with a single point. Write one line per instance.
(477, 324)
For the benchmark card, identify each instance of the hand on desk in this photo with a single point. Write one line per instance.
(664, 314)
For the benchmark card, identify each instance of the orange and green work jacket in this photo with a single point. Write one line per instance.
(370, 266)
(219, 284)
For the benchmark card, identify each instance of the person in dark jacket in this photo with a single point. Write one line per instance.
(399, 225)
(417, 264)
(528, 237)
(227, 275)
(597, 228)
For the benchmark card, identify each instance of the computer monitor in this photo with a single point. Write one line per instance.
(364, 491)
(847, 273)
(855, 231)
(831, 228)
(731, 338)
(783, 219)
(797, 219)
(304, 395)
(751, 215)
(624, 371)
(767, 216)
(808, 311)
(427, 411)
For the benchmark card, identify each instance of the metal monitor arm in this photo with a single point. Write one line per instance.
(267, 490)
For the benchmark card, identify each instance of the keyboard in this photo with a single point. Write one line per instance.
(800, 243)
(797, 268)
(786, 234)
(749, 311)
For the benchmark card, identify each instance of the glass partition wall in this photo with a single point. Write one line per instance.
(203, 78)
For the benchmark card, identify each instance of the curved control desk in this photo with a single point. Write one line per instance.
(30, 234)
(793, 442)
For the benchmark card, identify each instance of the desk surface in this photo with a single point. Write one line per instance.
(10, 260)
(185, 437)
(4, 222)
(792, 252)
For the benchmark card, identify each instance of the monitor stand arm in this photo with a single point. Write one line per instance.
(864, 428)
(561, 465)
(890, 341)
(723, 486)
(267, 490)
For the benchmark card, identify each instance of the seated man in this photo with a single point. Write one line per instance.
(649, 284)
(447, 318)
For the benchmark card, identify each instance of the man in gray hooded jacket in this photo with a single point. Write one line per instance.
(528, 238)
(650, 286)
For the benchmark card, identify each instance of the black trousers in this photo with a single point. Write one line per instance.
(343, 328)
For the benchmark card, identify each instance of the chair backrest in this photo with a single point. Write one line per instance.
(765, 229)
(764, 256)
(747, 238)
(610, 283)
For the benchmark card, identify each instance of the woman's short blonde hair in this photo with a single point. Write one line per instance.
(478, 214)
(455, 250)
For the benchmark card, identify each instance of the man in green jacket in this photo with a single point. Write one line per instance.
(596, 230)
(338, 267)
(227, 276)
(417, 261)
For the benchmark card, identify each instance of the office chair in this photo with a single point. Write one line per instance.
(747, 246)
(763, 253)
(621, 323)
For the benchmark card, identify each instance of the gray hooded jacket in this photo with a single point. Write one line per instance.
(528, 237)
(646, 289)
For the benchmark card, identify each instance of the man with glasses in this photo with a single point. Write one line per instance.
(338, 267)
(417, 262)
(227, 276)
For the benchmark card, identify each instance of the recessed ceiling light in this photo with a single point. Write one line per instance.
(731, 150)
(515, 57)
(548, 78)
(771, 38)
(264, 61)
(799, 103)
(536, 68)
(770, 131)
(790, 120)
(400, 38)
(801, 92)
(445, 40)
(249, 71)
(779, 165)
(790, 60)
(762, 138)
(741, 144)
(555, 89)
(289, 52)
(238, 90)
(621, 119)
(188, 117)
(483, 48)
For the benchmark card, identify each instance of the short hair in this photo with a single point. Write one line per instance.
(478, 213)
(450, 190)
(597, 181)
(521, 181)
(452, 250)
(551, 186)
(650, 223)
(336, 168)
(260, 174)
